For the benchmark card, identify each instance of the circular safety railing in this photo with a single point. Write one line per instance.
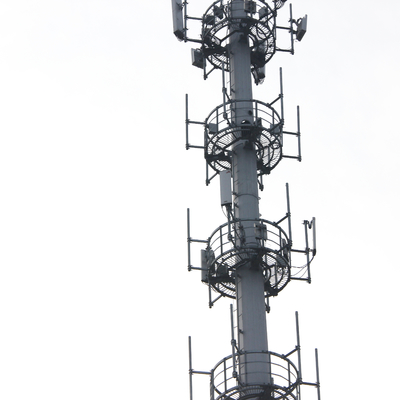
(237, 243)
(255, 19)
(262, 126)
(227, 383)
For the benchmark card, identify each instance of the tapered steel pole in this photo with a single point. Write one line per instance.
(251, 315)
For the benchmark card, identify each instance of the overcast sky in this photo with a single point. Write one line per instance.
(95, 298)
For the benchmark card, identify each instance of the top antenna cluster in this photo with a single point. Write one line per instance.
(257, 23)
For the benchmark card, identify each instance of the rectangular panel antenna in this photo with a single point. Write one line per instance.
(177, 17)
(301, 28)
(197, 58)
(226, 188)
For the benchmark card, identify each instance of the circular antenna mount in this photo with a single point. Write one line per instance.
(263, 129)
(257, 24)
(227, 252)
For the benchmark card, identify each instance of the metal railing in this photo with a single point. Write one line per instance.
(218, 24)
(263, 128)
(240, 242)
(225, 382)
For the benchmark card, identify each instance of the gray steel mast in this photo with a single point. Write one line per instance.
(251, 317)
(248, 259)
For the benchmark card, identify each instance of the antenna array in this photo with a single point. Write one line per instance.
(247, 259)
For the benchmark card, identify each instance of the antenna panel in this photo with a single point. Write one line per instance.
(177, 18)
(197, 58)
(204, 267)
(226, 187)
(301, 28)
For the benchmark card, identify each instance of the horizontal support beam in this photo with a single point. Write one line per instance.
(291, 133)
(310, 384)
(197, 240)
(299, 279)
(193, 40)
(197, 268)
(199, 372)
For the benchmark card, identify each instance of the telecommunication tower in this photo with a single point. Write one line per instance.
(248, 259)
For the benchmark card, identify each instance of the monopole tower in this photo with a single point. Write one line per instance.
(248, 259)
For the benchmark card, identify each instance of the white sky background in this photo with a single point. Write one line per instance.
(95, 298)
